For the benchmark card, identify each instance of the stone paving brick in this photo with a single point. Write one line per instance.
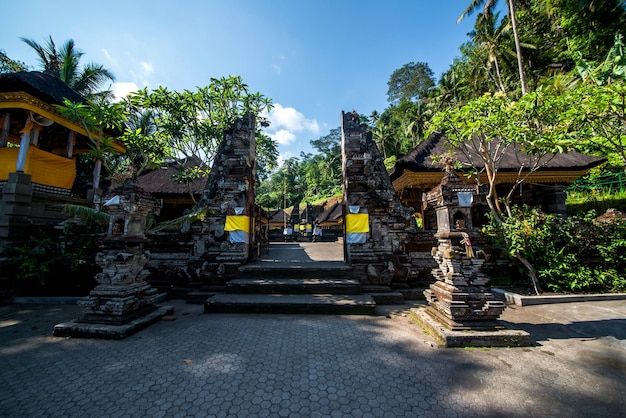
(244, 365)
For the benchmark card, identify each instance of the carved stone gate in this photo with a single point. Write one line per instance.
(381, 241)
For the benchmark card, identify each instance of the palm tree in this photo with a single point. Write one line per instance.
(487, 6)
(381, 134)
(415, 130)
(488, 35)
(63, 63)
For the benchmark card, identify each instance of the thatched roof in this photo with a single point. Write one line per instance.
(332, 213)
(40, 85)
(38, 92)
(420, 159)
(278, 216)
(161, 181)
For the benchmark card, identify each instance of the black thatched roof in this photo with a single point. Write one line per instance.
(333, 213)
(40, 85)
(160, 181)
(420, 159)
(278, 215)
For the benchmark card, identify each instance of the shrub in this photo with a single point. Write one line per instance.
(576, 253)
(57, 264)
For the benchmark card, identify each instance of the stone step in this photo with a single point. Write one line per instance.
(291, 304)
(375, 288)
(198, 297)
(294, 285)
(388, 298)
(282, 269)
(413, 294)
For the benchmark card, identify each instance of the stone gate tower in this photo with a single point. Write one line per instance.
(377, 224)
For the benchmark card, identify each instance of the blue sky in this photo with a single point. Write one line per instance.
(312, 58)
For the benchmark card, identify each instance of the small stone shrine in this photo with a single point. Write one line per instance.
(462, 311)
(122, 302)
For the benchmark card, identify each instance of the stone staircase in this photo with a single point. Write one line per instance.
(320, 287)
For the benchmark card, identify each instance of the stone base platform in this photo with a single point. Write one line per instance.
(500, 337)
(109, 331)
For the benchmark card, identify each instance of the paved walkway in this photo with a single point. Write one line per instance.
(245, 365)
(257, 365)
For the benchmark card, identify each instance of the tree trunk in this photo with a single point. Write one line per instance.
(518, 48)
(532, 273)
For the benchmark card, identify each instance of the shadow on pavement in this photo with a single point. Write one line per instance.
(615, 328)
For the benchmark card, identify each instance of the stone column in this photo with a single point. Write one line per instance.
(459, 298)
(122, 294)
(15, 206)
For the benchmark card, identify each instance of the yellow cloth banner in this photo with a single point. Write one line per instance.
(237, 223)
(45, 168)
(357, 222)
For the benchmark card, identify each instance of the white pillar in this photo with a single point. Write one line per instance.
(34, 138)
(23, 153)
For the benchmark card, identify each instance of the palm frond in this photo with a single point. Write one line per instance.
(84, 212)
(178, 223)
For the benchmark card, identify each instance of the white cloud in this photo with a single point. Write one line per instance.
(278, 69)
(147, 68)
(283, 137)
(292, 120)
(122, 89)
(282, 157)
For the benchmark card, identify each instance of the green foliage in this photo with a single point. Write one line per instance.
(37, 263)
(598, 115)
(577, 253)
(100, 121)
(308, 178)
(191, 124)
(37, 258)
(64, 63)
(8, 65)
(412, 82)
(401, 127)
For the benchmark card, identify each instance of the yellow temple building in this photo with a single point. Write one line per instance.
(38, 149)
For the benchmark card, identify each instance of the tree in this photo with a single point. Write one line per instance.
(488, 6)
(612, 69)
(98, 120)
(485, 130)
(599, 110)
(585, 27)
(7, 65)
(163, 125)
(326, 167)
(598, 114)
(412, 82)
(488, 34)
(63, 63)
(193, 123)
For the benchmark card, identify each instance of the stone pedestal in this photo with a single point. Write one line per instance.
(461, 310)
(122, 293)
(122, 302)
(460, 297)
